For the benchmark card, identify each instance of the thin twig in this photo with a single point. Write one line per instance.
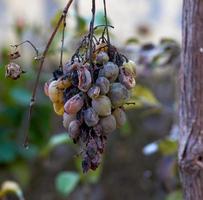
(32, 101)
(102, 25)
(32, 45)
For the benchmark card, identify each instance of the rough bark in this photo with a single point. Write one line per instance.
(191, 101)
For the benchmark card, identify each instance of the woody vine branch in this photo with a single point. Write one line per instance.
(32, 101)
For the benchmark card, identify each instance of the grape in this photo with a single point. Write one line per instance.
(67, 119)
(102, 105)
(111, 71)
(94, 92)
(91, 118)
(84, 78)
(120, 117)
(130, 67)
(46, 89)
(13, 71)
(74, 129)
(102, 58)
(118, 94)
(126, 78)
(108, 124)
(74, 104)
(55, 94)
(103, 84)
(58, 108)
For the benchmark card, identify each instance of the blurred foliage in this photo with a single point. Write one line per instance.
(10, 187)
(66, 182)
(176, 195)
(141, 96)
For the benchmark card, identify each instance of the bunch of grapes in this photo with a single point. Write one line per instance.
(90, 94)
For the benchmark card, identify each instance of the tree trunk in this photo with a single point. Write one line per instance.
(191, 101)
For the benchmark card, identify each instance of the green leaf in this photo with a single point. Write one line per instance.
(66, 182)
(132, 41)
(81, 25)
(168, 146)
(177, 195)
(7, 152)
(21, 172)
(126, 129)
(56, 140)
(55, 20)
(94, 176)
(20, 96)
(140, 97)
(99, 19)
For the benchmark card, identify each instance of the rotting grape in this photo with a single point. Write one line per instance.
(102, 105)
(108, 124)
(103, 84)
(74, 104)
(91, 118)
(74, 129)
(111, 71)
(67, 119)
(120, 117)
(94, 92)
(118, 94)
(102, 58)
(13, 71)
(90, 95)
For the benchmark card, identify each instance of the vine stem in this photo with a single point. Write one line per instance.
(32, 101)
(92, 32)
(106, 21)
(62, 44)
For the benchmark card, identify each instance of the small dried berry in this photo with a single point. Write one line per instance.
(13, 71)
(86, 163)
(98, 130)
(96, 161)
(91, 148)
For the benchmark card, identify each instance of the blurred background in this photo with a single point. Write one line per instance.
(140, 158)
